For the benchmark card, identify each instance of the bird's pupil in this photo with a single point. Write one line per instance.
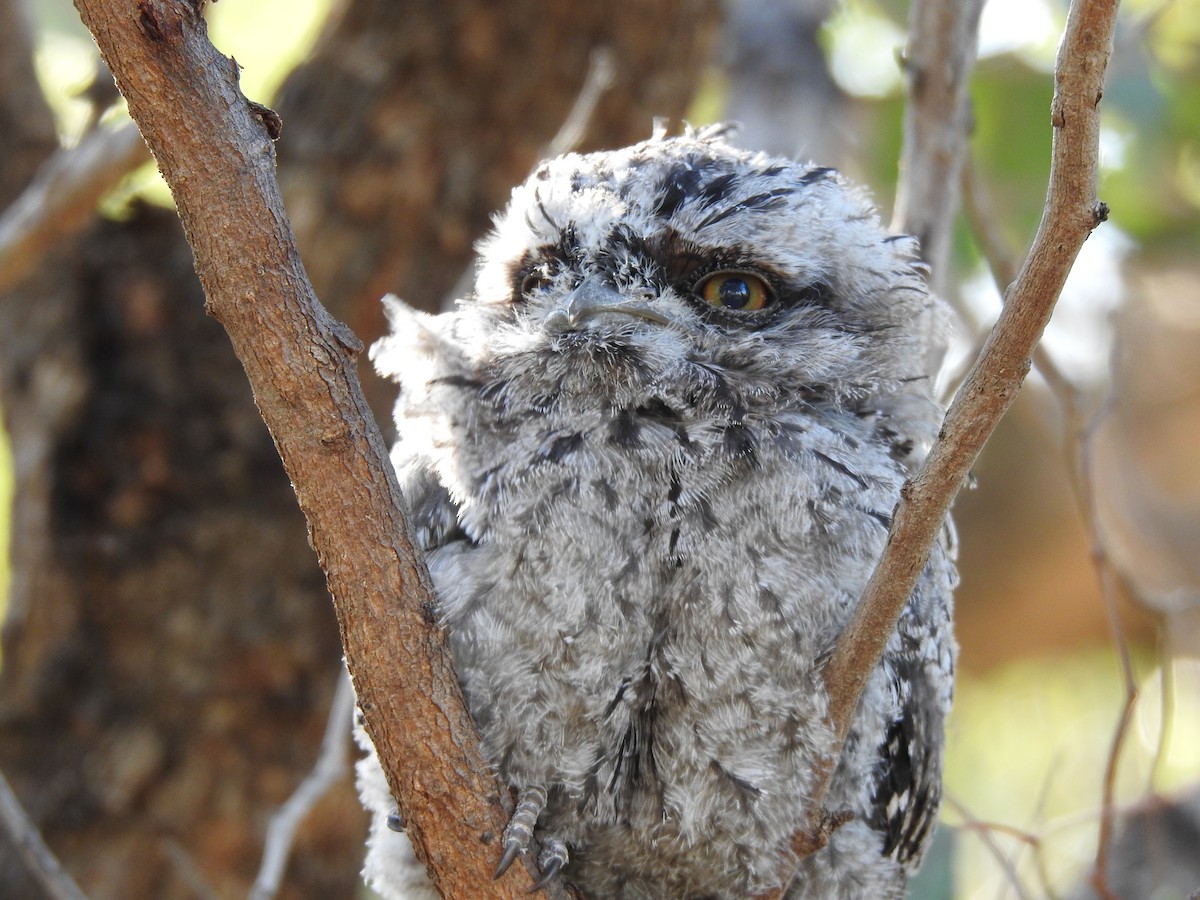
(734, 293)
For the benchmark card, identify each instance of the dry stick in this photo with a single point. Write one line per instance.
(985, 831)
(215, 152)
(187, 870)
(39, 861)
(1108, 809)
(1109, 576)
(1039, 812)
(63, 196)
(601, 73)
(937, 115)
(331, 765)
(1166, 712)
(1004, 266)
(1079, 435)
(1071, 213)
(599, 79)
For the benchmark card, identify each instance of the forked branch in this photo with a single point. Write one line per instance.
(1071, 213)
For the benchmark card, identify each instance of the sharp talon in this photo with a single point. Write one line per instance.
(520, 827)
(511, 851)
(548, 874)
(395, 821)
(551, 861)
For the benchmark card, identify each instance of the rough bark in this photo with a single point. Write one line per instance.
(170, 652)
(215, 152)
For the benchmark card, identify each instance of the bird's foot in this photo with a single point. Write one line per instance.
(519, 833)
(395, 821)
(551, 861)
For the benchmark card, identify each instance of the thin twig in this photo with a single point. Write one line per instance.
(39, 861)
(600, 75)
(1109, 576)
(937, 123)
(1004, 264)
(985, 830)
(63, 197)
(994, 245)
(1078, 441)
(1071, 213)
(1078, 434)
(1039, 811)
(1166, 692)
(188, 870)
(1108, 809)
(332, 763)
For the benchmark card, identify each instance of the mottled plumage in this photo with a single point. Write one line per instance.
(652, 460)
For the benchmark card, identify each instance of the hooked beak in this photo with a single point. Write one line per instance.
(593, 297)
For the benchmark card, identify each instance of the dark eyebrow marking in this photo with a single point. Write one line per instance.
(545, 215)
(822, 173)
(757, 203)
(676, 189)
(719, 188)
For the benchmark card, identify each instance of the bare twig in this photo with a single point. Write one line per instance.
(937, 123)
(63, 197)
(185, 867)
(1110, 577)
(1166, 701)
(1005, 267)
(216, 155)
(29, 136)
(39, 861)
(1071, 213)
(332, 763)
(1039, 810)
(600, 74)
(1078, 441)
(997, 250)
(1108, 809)
(985, 832)
(1079, 435)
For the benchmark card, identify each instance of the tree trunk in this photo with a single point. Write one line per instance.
(169, 651)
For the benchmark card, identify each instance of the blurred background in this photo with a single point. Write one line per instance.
(169, 653)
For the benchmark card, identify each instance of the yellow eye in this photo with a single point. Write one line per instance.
(740, 291)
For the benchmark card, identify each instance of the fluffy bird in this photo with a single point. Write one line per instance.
(652, 460)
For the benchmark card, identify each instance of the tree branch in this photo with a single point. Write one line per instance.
(40, 862)
(63, 197)
(332, 763)
(943, 36)
(1070, 214)
(216, 155)
(29, 135)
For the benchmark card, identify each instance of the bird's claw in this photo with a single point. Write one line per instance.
(511, 852)
(550, 861)
(395, 821)
(519, 833)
